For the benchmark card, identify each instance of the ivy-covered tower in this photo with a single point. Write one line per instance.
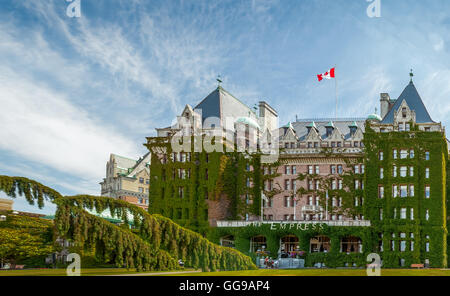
(406, 182)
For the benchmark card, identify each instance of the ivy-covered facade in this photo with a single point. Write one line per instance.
(340, 191)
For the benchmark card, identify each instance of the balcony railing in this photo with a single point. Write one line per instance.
(353, 223)
(312, 209)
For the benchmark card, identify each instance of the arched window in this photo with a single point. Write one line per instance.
(257, 243)
(227, 241)
(320, 244)
(351, 244)
(289, 243)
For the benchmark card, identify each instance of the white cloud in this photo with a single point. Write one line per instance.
(41, 124)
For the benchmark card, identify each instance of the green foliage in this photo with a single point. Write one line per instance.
(212, 176)
(23, 239)
(155, 243)
(335, 258)
(420, 228)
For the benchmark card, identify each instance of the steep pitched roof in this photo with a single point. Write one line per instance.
(221, 104)
(412, 98)
(124, 162)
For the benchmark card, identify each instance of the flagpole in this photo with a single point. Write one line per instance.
(335, 89)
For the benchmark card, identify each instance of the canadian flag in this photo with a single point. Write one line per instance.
(326, 75)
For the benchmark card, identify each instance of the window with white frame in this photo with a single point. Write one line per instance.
(381, 173)
(411, 171)
(403, 154)
(287, 170)
(333, 169)
(427, 191)
(403, 171)
(380, 192)
(403, 191)
(317, 170)
(380, 155)
(340, 184)
(394, 172)
(427, 215)
(411, 153)
(310, 169)
(394, 153)
(411, 190)
(403, 213)
(427, 173)
(394, 191)
(411, 214)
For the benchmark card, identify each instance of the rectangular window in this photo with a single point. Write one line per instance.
(381, 214)
(427, 173)
(402, 246)
(411, 153)
(427, 155)
(357, 184)
(403, 171)
(294, 170)
(394, 191)
(141, 190)
(411, 214)
(411, 171)
(293, 185)
(141, 180)
(340, 184)
(287, 170)
(310, 200)
(180, 192)
(317, 170)
(427, 191)
(362, 169)
(310, 169)
(394, 153)
(340, 170)
(403, 213)
(381, 155)
(411, 190)
(287, 184)
(381, 173)
(427, 215)
(333, 169)
(380, 192)
(403, 191)
(333, 184)
(356, 169)
(403, 154)
(394, 172)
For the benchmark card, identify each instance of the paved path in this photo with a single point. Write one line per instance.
(158, 273)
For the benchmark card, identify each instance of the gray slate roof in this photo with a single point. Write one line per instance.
(222, 104)
(412, 98)
(301, 130)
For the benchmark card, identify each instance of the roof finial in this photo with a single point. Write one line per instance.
(411, 74)
(219, 80)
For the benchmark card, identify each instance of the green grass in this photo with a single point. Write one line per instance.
(325, 272)
(260, 272)
(62, 272)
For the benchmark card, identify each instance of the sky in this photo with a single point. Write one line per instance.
(73, 90)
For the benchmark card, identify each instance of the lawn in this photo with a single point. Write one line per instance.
(325, 272)
(260, 272)
(62, 272)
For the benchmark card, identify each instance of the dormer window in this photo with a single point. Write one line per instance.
(404, 112)
(329, 129)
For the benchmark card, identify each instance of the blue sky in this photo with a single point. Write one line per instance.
(74, 90)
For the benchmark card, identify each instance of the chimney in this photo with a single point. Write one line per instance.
(385, 100)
